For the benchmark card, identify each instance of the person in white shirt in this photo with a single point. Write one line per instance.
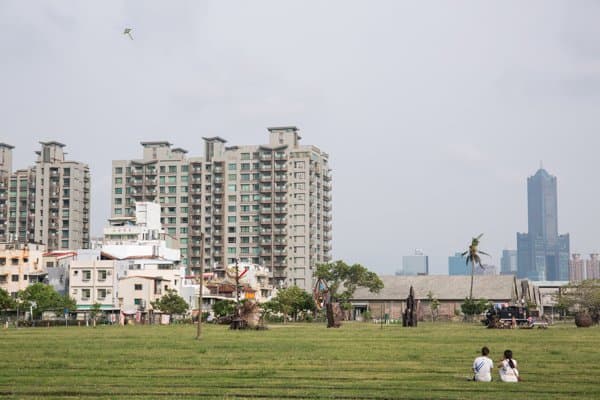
(482, 366)
(508, 368)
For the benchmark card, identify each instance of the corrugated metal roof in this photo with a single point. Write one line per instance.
(496, 287)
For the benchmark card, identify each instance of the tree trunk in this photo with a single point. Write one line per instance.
(331, 316)
(472, 273)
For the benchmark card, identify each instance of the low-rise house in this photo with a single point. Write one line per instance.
(450, 291)
(95, 282)
(20, 266)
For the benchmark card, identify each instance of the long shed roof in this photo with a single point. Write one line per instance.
(491, 287)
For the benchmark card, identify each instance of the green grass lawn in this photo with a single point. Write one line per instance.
(293, 361)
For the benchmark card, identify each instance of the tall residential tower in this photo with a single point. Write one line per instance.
(264, 204)
(48, 203)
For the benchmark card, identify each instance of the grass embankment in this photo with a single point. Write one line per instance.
(293, 361)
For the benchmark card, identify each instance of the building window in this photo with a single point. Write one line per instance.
(138, 286)
(118, 190)
(102, 275)
(231, 166)
(245, 156)
(101, 294)
(231, 187)
(137, 302)
(173, 169)
(118, 181)
(118, 170)
(86, 275)
(15, 278)
(85, 294)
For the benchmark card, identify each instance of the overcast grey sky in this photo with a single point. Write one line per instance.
(433, 113)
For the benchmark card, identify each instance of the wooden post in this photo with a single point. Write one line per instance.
(200, 280)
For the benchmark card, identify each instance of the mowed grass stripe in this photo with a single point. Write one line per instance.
(296, 361)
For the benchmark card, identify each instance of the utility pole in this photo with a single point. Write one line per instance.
(200, 280)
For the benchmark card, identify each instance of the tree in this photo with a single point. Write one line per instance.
(170, 303)
(95, 311)
(6, 302)
(342, 281)
(583, 297)
(223, 308)
(45, 299)
(473, 256)
(434, 305)
(292, 301)
(472, 307)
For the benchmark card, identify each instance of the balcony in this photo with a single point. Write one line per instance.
(266, 199)
(281, 188)
(280, 199)
(279, 221)
(282, 252)
(266, 210)
(266, 188)
(266, 231)
(280, 210)
(327, 178)
(266, 156)
(280, 178)
(266, 221)
(326, 197)
(280, 231)
(266, 178)
(218, 170)
(266, 167)
(280, 156)
(280, 167)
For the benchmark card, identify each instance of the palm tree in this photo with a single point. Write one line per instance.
(473, 256)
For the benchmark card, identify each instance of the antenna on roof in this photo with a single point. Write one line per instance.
(541, 164)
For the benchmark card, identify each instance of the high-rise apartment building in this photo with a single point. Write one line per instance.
(263, 204)
(47, 203)
(542, 254)
(576, 269)
(508, 262)
(592, 266)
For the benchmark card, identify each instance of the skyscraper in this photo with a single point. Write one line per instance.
(48, 203)
(457, 265)
(508, 262)
(266, 204)
(417, 264)
(542, 254)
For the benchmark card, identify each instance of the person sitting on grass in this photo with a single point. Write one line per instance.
(508, 368)
(482, 366)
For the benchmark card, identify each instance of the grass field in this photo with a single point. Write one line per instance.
(359, 361)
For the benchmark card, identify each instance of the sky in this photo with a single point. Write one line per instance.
(433, 113)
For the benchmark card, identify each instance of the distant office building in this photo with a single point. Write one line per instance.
(593, 267)
(508, 262)
(486, 270)
(457, 265)
(542, 254)
(576, 268)
(48, 203)
(417, 264)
